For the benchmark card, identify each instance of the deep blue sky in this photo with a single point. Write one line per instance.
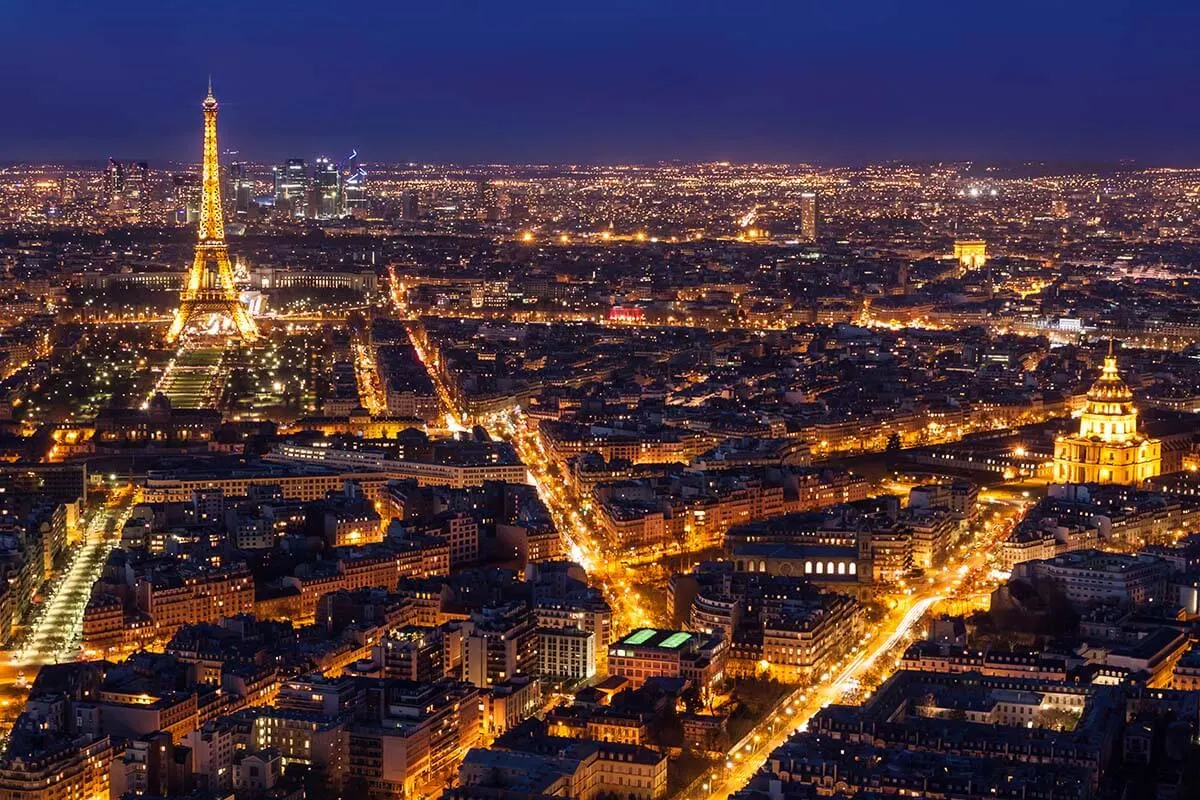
(576, 80)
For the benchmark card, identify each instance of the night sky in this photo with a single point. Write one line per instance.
(574, 80)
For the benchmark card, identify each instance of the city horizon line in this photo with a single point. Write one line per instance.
(1076, 165)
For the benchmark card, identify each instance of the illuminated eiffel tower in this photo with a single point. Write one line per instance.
(210, 288)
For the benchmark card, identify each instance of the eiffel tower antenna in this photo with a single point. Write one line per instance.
(210, 288)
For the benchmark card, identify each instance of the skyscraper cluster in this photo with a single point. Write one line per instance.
(328, 191)
(127, 187)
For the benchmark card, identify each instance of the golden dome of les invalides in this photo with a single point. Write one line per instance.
(1108, 447)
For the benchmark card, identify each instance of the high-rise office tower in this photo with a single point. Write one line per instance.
(114, 181)
(808, 217)
(137, 187)
(127, 186)
(291, 186)
(187, 197)
(354, 187)
(210, 288)
(354, 193)
(410, 205)
(350, 166)
(241, 187)
(326, 198)
(114, 186)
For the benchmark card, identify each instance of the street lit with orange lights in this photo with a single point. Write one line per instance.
(580, 541)
(869, 663)
(371, 389)
(583, 544)
(793, 712)
(57, 632)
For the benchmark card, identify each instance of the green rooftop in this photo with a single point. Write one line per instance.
(675, 640)
(640, 637)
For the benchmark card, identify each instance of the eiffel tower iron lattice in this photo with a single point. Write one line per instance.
(210, 288)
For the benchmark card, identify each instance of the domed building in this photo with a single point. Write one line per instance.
(1108, 447)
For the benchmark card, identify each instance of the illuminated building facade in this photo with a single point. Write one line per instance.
(567, 653)
(127, 187)
(970, 254)
(186, 191)
(1108, 447)
(801, 639)
(503, 643)
(55, 767)
(354, 193)
(808, 217)
(651, 653)
(210, 288)
(241, 187)
(291, 186)
(326, 199)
